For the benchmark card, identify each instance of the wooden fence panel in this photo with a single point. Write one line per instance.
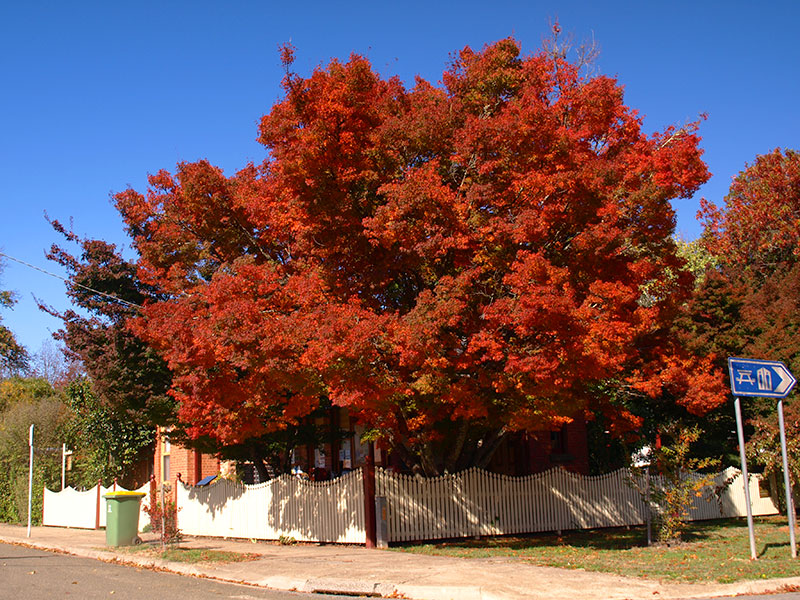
(479, 503)
(71, 508)
(329, 511)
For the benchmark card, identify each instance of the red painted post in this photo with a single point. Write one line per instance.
(369, 497)
(97, 512)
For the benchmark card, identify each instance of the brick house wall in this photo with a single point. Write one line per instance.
(191, 464)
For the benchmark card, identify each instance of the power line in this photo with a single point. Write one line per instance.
(80, 285)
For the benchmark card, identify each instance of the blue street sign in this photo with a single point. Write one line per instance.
(764, 378)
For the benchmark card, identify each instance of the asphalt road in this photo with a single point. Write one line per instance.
(28, 574)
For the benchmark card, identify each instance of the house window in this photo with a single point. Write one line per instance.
(559, 448)
(558, 441)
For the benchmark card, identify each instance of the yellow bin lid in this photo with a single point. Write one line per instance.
(122, 494)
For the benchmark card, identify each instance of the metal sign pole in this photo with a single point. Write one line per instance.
(740, 431)
(647, 505)
(787, 482)
(763, 379)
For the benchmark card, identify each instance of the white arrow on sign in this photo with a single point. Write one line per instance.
(786, 379)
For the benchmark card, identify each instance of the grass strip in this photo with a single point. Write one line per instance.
(710, 551)
(189, 555)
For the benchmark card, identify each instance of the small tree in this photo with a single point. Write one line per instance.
(680, 480)
(163, 512)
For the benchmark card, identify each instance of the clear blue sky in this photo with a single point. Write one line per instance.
(95, 95)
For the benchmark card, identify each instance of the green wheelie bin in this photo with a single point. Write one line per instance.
(122, 518)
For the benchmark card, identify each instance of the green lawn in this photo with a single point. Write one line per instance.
(712, 551)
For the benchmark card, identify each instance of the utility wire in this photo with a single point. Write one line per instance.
(80, 285)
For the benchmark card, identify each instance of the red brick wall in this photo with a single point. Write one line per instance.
(209, 465)
(181, 462)
(192, 465)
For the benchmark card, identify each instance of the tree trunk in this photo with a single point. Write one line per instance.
(455, 453)
(489, 447)
(258, 463)
(411, 459)
(428, 461)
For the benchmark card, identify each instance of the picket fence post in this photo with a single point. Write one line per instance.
(97, 511)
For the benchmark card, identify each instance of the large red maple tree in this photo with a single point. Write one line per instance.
(450, 262)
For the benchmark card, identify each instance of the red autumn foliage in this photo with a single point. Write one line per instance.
(756, 241)
(748, 302)
(476, 256)
(759, 227)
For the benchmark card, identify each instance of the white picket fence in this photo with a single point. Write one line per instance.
(465, 504)
(84, 509)
(476, 502)
(327, 511)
